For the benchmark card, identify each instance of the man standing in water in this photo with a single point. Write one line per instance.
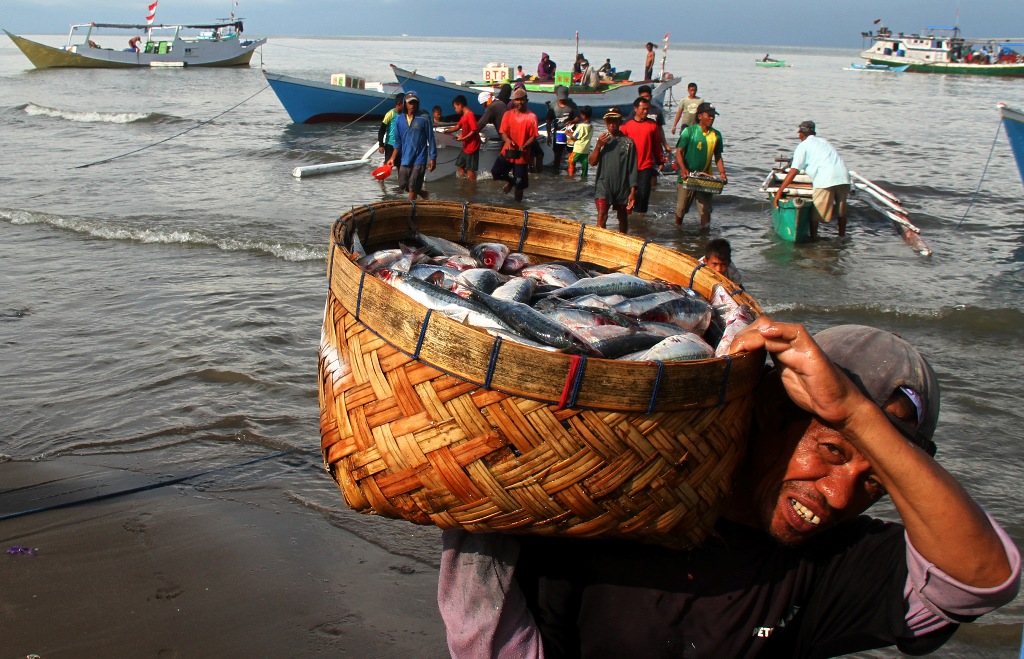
(519, 129)
(830, 179)
(647, 137)
(698, 147)
(415, 145)
(614, 155)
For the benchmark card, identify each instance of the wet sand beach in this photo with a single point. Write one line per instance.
(180, 572)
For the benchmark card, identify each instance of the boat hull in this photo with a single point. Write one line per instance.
(954, 68)
(438, 92)
(181, 53)
(792, 220)
(1013, 121)
(308, 101)
(772, 65)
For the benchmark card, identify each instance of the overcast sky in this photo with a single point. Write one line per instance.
(783, 23)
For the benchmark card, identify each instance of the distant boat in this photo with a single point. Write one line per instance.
(309, 101)
(620, 94)
(770, 63)
(884, 68)
(942, 50)
(209, 44)
(1013, 121)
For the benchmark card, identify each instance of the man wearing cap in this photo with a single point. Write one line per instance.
(698, 147)
(415, 147)
(519, 130)
(793, 569)
(830, 179)
(561, 114)
(494, 110)
(614, 155)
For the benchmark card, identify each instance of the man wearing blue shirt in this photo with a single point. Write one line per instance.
(830, 179)
(415, 145)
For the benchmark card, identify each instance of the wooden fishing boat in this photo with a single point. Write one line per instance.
(1013, 122)
(310, 102)
(426, 419)
(791, 221)
(941, 49)
(620, 94)
(208, 44)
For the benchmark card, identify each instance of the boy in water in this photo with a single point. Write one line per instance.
(580, 155)
(615, 159)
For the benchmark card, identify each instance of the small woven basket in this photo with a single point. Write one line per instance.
(703, 184)
(435, 422)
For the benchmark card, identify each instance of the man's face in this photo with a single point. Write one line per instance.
(519, 104)
(822, 482)
(692, 91)
(706, 120)
(613, 126)
(716, 263)
(411, 106)
(641, 110)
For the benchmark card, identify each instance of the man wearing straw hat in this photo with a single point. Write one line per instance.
(793, 570)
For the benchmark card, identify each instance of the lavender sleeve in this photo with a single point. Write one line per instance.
(484, 612)
(934, 599)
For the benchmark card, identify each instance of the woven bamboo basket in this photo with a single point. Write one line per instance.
(703, 184)
(425, 419)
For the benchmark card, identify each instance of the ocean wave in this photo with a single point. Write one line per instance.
(287, 251)
(86, 117)
(971, 318)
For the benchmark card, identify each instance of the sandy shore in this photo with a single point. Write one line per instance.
(178, 572)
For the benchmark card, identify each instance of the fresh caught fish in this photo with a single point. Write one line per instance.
(514, 262)
(635, 306)
(516, 289)
(576, 318)
(549, 273)
(681, 347)
(490, 255)
(382, 258)
(689, 313)
(534, 325)
(446, 302)
(614, 340)
(616, 283)
(357, 246)
(664, 330)
(460, 262)
(481, 279)
(737, 321)
(438, 246)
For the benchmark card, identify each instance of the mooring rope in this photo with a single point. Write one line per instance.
(168, 139)
(983, 172)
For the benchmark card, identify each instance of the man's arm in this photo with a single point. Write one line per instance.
(942, 521)
(790, 175)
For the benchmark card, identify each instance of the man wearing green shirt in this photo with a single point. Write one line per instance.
(698, 147)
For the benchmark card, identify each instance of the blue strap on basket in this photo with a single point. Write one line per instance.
(657, 385)
(359, 293)
(579, 242)
(693, 274)
(522, 231)
(423, 334)
(412, 217)
(465, 222)
(369, 224)
(725, 379)
(492, 362)
(640, 258)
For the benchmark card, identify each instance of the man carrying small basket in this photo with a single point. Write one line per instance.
(699, 145)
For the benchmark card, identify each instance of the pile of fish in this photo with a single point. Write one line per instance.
(561, 306)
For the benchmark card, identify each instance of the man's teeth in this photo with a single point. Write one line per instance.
(804, 512)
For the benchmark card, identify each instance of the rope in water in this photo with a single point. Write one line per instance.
(143, 488)
(983, 172)
(168, 139)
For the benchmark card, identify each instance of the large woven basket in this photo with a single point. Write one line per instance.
(429, 420)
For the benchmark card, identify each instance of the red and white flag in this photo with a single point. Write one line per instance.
(152, 13)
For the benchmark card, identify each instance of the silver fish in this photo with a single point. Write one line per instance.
(514, 262)
(516, 289)
(613, 340)
(441, 246)
(691, 314)
(481, 279)
(446, 302)
(549, 273)
(616, 283)
(635, 306)
(681, 347)
(490, 255)
(737, 321)
(534, 325)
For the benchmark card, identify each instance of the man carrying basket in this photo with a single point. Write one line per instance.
(699, 145)
(794, 569)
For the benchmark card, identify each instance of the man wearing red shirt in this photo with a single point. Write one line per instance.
(645, 134)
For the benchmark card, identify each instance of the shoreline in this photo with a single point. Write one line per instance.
(176, 571)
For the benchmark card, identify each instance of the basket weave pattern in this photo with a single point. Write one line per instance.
(409, 431)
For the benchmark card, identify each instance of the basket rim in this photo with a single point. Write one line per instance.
(728, 376)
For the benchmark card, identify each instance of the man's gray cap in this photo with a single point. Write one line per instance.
(879, 363)
(806, 127)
